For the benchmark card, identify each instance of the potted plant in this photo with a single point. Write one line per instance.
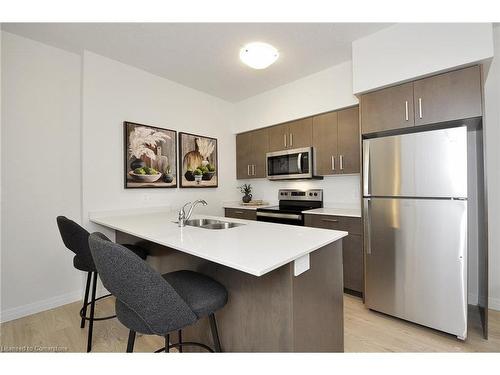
(189, 175)
(246, 190)
(208, 172)
(198, 175)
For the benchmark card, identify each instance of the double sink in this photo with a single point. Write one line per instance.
(211, 224)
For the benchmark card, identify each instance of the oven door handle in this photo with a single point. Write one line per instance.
(299, 162)
(297, 217)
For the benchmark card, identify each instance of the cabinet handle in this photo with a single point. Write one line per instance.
(284, 137)
(253, 169)
(238, 212)
(330, 220)
(341, 161)
(333, 163)
(291, 139)
(420, 107)
(248, 169)
(406, 110)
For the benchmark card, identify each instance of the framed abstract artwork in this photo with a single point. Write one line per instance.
(150, 156)
(198, 161)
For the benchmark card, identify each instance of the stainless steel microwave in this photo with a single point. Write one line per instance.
(290, 164)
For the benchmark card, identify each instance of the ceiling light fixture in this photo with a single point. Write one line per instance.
(258, 55)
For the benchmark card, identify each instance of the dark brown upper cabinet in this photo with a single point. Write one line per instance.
(293, 134)
(445, 97)
(251, 149)
(349, 140)
(387, 109)
(325, 134)
(336, 142)
(449, 96)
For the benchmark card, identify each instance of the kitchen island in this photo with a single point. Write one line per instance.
(284, 282)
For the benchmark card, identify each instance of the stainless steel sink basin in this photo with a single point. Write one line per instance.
(211, 224)
(221, 225)
(200, 222)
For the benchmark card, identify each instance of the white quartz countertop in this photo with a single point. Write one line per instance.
(255, 248)
(353, 212)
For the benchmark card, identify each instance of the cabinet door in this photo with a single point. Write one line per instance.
(245, 214)
(349, 140)
(259, 145)
(449, 96)
(387, 109)
(325, 128)
(300, 133)
(243, 155)
(352, 251)
(278, 137)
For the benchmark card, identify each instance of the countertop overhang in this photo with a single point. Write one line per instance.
(255, 248)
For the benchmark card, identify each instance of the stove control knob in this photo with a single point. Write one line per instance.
(315, 194)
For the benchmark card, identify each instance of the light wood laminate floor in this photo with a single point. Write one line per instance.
(365, 331)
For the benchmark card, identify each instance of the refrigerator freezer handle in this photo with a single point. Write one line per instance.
(366, 168)
(367, 226)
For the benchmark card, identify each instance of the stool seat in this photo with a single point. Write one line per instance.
(202, 294)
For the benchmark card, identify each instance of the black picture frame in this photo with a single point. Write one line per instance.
(162, 183)
(208, 180)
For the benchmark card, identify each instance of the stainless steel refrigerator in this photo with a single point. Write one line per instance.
(415, 227)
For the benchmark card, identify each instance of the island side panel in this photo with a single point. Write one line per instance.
(318, 312)
(277, 312)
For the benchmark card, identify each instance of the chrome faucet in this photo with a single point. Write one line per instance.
(183, 217)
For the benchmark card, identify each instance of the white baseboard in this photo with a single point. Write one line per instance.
(36, 307)
(494, 303)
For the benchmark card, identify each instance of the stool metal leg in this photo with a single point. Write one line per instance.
(92, 309)
(215, 333)
(167, 343)
(180, 341)
(85, 300)
(131, 341)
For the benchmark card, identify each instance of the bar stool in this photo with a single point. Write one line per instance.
(154, 304)
(76, 239)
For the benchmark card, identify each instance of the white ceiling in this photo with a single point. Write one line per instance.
(204, 56)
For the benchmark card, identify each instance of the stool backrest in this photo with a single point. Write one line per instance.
(136, 284)
(75, 237)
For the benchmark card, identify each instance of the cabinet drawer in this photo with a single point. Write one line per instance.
(345, 223)
(241, 213)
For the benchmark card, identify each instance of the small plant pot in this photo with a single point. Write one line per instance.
(247, 198)
(168, 178)
(189, 176)
(198, 178)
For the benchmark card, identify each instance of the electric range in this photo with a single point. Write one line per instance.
(292, 203)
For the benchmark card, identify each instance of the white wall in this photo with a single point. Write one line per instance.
(406, 51)
(492, 136)
(324, 91)
(114, 92)
(40, 174)
(320, 92)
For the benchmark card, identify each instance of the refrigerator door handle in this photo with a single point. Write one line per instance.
(366, 168)
(367, 226)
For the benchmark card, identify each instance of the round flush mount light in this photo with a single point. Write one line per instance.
(258, 55)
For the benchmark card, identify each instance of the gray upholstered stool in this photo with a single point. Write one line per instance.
(76, 239)
(149, 303)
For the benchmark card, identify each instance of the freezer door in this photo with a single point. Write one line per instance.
(415, 259)
(426, 164)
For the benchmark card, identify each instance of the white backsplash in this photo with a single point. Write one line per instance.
(338, 191)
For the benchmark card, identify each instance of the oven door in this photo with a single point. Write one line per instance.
(290, 164)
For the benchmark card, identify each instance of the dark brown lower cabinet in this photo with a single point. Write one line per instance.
(240, 213)
(352, 246)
